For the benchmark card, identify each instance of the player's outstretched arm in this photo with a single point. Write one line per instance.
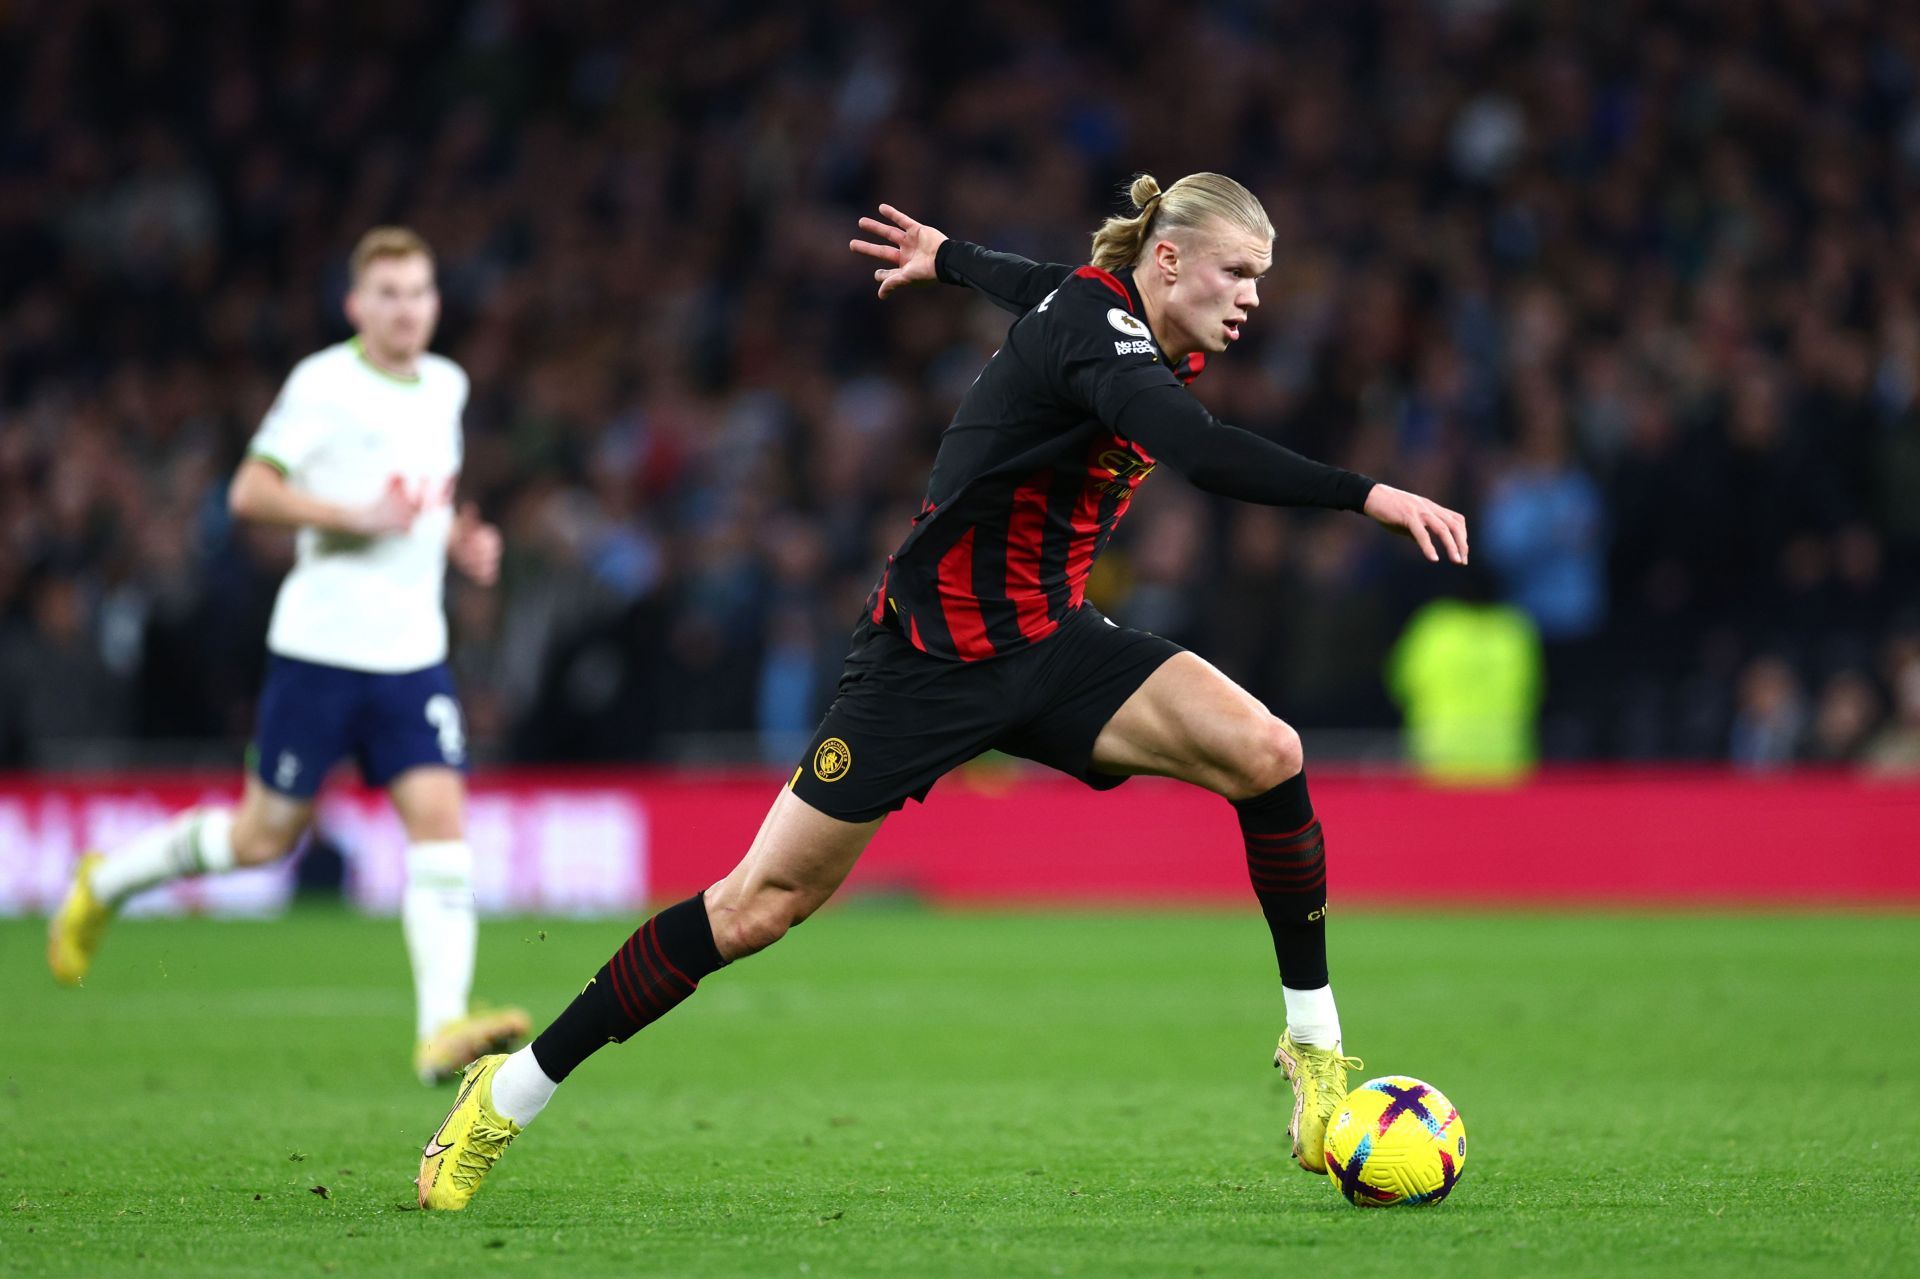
(914, 253)
(1223, 459)
(261, 493)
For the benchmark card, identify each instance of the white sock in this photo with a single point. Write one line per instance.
(437, 918)
(196, 842)
(521, 1089)
(1312, 1019)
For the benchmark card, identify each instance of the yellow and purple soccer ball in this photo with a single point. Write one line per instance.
(1395, 1140)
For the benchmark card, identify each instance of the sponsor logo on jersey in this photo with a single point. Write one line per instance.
(832, 761)
(1139, 346)
(1131, 325)
(1127, 471)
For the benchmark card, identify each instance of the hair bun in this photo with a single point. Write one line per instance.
(1195, 200)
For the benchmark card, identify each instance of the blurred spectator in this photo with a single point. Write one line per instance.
(1771, 716)
(1845, 718)
(1249, 614)
(1544, 532)
(64, 695)
(1896, 747)
(1467, 674)
(1543, 529)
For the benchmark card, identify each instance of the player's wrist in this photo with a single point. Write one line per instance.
(360, 521)
(944, 268)
(1361, 492)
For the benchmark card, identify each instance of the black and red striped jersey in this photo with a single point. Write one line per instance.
(1044, 454)
(1030, 479)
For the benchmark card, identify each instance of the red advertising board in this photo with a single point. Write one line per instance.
(608, 841)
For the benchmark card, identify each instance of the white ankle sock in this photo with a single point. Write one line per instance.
(1312, 1019)
(196, 842)
(437, 918)
(521, 1089)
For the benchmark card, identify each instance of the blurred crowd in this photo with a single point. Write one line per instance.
(1633, 285)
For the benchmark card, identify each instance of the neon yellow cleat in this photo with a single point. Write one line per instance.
(442, 1055)
(470, 1140)
(73, 931)
(1319, 1079)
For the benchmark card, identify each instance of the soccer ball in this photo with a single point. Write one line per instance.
(1395, 1140)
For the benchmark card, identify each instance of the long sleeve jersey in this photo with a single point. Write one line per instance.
(1044, 453)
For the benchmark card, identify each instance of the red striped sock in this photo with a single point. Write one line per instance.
(646, 982)
(657, 967)
(1287, 861)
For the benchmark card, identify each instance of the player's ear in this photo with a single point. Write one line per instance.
(350, 304)
(1166, 257)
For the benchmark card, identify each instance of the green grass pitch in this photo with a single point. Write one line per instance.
(898, 1092)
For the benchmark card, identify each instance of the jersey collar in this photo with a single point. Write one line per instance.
(1186, 368)
(360, 353)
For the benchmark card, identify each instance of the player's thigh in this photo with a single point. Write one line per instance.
(899, 722)
(797, 860)
(407, 721)
(1191, 722)
(303, 726)
(267, 824)
(431, 801)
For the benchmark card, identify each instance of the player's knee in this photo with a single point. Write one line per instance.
(1269, 755)
(256, 844)
(748, 930)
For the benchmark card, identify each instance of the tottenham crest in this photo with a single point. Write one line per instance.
(832, 760)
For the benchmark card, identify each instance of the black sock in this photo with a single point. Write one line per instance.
(1287, 861)
(657, 968)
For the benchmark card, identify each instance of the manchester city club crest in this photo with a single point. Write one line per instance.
(832, 761)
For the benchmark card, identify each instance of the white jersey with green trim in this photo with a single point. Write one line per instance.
(340, 430)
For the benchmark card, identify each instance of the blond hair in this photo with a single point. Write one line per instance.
(1191, 202)
(386, 242)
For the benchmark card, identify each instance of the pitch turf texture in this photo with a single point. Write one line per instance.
(895, 1092)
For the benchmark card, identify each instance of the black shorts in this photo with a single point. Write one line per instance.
(902, 720)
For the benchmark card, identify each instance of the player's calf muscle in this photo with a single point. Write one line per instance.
(798, 860)
(748, 918)
(750, 926)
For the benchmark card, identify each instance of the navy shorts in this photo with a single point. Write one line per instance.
(902, 720)
(312, 716)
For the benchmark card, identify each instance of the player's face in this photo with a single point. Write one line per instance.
(1217, 286)
(394, 306)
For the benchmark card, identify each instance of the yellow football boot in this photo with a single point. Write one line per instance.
(470, 1140)
(442, 1055)
(73, 931)
(1319, 1079)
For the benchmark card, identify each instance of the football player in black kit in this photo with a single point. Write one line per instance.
(977, 636)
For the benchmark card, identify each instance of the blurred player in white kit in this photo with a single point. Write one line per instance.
(360, 452)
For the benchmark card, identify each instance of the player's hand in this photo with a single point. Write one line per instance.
(1432, 526)
(908, 252)
(474, 546)
(393, 512)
